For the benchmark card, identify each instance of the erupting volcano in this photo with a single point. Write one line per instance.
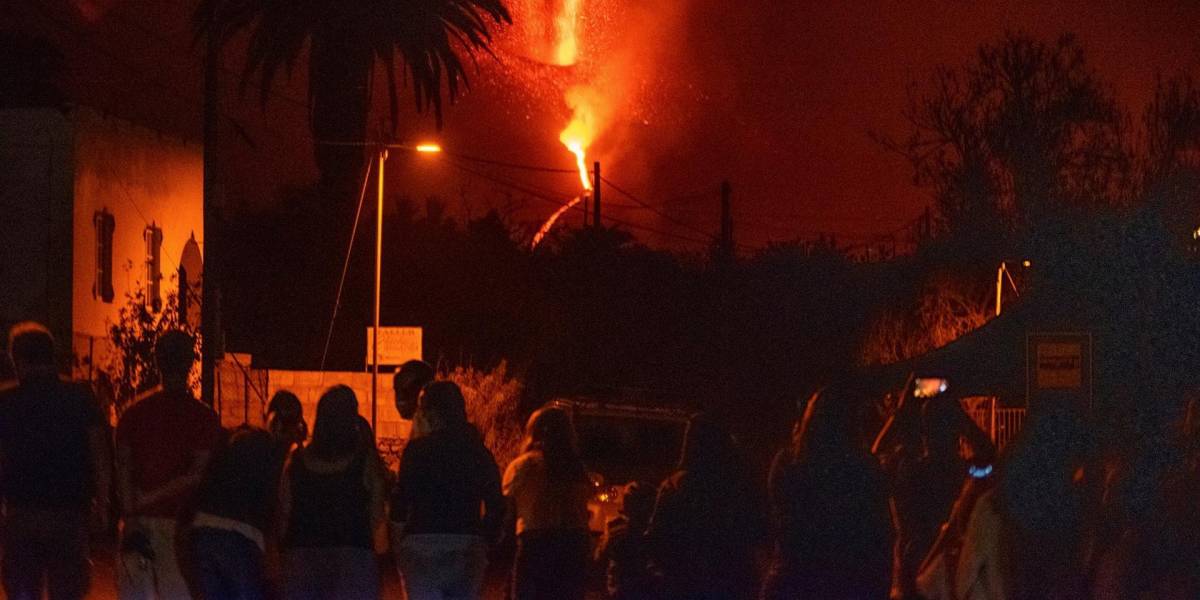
(578, 134)
(584, 70)
(566, 47)
(581, 130)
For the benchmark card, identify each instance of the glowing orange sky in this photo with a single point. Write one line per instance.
(775, 96)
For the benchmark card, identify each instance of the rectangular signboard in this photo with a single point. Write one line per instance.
(397, 345)
(1059, 365)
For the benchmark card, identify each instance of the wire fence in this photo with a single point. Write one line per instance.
(1001, 424)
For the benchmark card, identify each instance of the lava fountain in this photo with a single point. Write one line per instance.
(581, 129)
(549, 224)
(576, 137)
(566, 47)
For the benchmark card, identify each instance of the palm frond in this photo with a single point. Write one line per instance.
(430, 37)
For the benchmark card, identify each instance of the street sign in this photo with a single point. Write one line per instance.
(397, 345)
(1059, 365)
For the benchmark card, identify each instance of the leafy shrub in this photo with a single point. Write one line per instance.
(944, 311)
(130, 368)
(492, 399)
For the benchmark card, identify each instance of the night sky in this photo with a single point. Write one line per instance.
(777, 97)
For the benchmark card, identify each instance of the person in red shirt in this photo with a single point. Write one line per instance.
(164, 442)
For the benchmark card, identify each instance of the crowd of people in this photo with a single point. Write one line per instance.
(929, 510)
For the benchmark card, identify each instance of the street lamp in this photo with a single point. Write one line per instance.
(1001, 273)
(423, 148)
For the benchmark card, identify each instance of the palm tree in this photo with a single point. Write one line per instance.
(345, 38)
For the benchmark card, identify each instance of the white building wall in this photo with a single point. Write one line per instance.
(141, 178)
(309, 385)
(56, 171)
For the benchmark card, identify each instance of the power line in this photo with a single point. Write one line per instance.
(337, 301)
(531, 190)
(509, 165)
(652, 209)
(560, 201)
(544, 190)
(660, 232)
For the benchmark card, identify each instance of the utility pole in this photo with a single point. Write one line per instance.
(596, 195)
(383, 154)
(210, 327)
(726, 244)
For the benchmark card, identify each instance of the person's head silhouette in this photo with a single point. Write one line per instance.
(338, 430)
(31, 349)
(407, 383)
(175, 352)
(549, 431)
(285, 418)
(637, 503)
(443, 407)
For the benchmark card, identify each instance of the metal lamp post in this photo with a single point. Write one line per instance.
(426, 148)
(1002, 272)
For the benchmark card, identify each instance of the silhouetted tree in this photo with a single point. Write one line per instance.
(345, 42)
(1172, 122)
(1024, 129)
(1170, 169)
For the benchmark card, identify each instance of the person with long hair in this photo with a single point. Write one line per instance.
(921, 443)
(448, 497)
(285, 421)
(1027, 537)
(331, 501)
(829, 502)
(548, 490)
(707, 520)
(233, 516)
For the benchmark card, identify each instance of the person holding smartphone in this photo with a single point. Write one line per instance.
(922, 445)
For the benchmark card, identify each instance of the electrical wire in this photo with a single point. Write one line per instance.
(566, 198)
(555, 194)
(652, 209)
(337, 301)
(525, 188)
(529, 189)
(510, 165)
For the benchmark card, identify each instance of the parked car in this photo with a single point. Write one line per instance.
(621, 443)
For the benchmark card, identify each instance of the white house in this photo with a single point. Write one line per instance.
(92, 209)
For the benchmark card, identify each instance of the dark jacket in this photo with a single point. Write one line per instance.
(703, 535)
(242, 481)
(444, 477)
(44, 429)
(626, 558)
(834, 531)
